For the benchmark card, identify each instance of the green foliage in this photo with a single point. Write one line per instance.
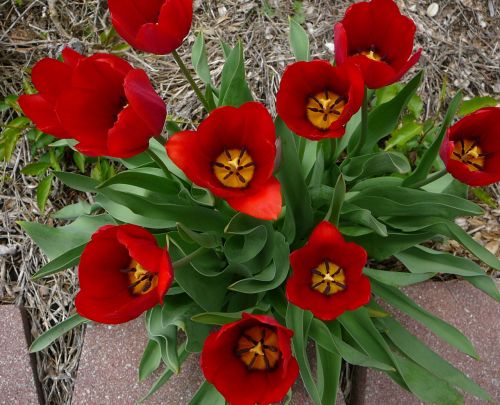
(476, 103)
(299, 40)
(48, 337)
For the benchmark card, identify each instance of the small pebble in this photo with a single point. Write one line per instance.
(432, 10)
(330, 46)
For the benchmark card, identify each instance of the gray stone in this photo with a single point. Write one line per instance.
(472, 312)
(17, 379)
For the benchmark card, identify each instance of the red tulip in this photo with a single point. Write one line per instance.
(156, 26)
(232, 154)
(327, 274)
(316, 99)
(471, 148)
(109, 107)
(376, 37)
(250, 361)
(122, 273)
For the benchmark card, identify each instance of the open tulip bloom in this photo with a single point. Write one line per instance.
(259, 235)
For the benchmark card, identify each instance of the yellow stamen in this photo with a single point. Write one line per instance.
(328, 278)
(467, 151)
(141, 281)
(370, 54)
(258, 349)
(234, 168)
(324, 108)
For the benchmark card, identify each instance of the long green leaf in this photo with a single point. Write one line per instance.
(427, 161)
(439, 327)
(299, 41)
(207, 394)
(299, 321)
(63, 262)
(151, 359)
(199, 59)
(49, 336)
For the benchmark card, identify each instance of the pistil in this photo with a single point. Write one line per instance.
(328, 278)
(469, 152)
(141, 281)
(234, 168)
(258, 349)
(324, 108)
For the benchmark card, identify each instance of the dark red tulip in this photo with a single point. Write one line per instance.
(471, 148)
(156, 26)
(232, 154)
(375, 36)
(327, 274)
(250, 361)
(101, 101)
(122, 273)
(316, 99)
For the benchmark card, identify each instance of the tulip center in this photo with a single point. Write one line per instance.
(140, 280)
(328, 278)
(467, 151)
(234, 168)
(324, 108)
(258, 349)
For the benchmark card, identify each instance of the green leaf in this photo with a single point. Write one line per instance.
(73, 211)
(151, 359)
(242, 248)
(56, 241)
(439, 327)
(375, 164)
(49, 336)
(299, 215)
(425, 357)
(78, 182)
(427, 161)
(9, 136)
(165, 336)
(338, 197)
(384, 119)
(142, 211)
(299, 321)
(404, 134)
(207, 394)
(483, 195)
(328, 375)
(273, 276)
(324, 337)
(364, 217)
(476, 103)
(200, 60)
(206, 240)
(405, 202)
(43, 191)
(396, 278)
(234, 89)
(62, 262)
(35, 169)
(299, 40)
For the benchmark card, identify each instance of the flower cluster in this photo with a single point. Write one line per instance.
(111, 109)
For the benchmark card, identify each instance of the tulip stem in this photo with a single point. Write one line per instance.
(364, 123)
(429, 179)
(187, 259)
(189, 77)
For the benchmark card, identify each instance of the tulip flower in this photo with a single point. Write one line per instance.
(327, 274)
(101, 101)
(316, 99)
(375, 36)
(232, 154)
(250, 361)
(155, 26)
(471, 148)
(122, 273)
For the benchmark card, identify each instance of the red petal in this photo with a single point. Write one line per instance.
(264, 204)
(71, 57)
(129, 136)
(50, 77)
(144, 100)
(42, 113)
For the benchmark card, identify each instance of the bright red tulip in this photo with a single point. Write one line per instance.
(327, 274)
(122, 273)
(316, 99)
(156, 26)
(471, 148)
(109, 107)
(376, 37)
(250, 361)
(232, 154)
